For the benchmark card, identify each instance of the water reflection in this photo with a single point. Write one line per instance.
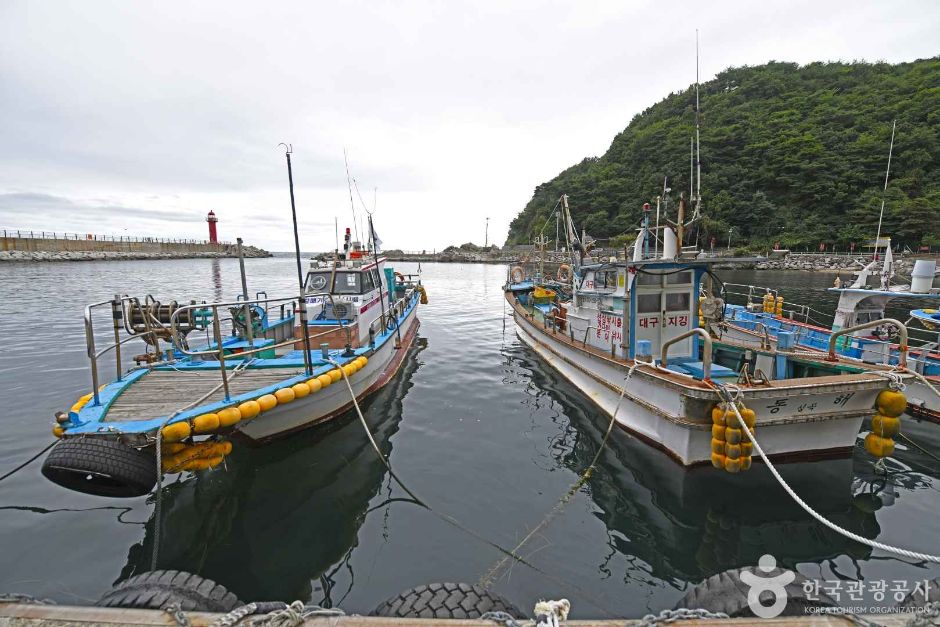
(216, 271)
(677, 525)
(281, 519)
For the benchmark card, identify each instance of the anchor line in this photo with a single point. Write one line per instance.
(724, 392)
(450, 519)
(29, 461)
(487, 579)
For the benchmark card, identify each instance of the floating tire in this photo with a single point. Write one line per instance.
(100, 466)
(725, 592)
(445, 600)
(158, 589)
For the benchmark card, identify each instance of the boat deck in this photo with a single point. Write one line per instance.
(161, 392)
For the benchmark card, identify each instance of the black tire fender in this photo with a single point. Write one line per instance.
(445, 600)
(101, 466)
(725, 592)
(158, 589)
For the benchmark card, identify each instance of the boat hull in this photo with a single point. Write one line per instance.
(335, 399)
(678, 423)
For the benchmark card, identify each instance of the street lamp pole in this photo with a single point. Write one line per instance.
(730, 231)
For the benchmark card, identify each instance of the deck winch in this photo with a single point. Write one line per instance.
(886, 423)
(731, 449)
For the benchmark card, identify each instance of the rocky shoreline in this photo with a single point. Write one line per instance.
(89, 255)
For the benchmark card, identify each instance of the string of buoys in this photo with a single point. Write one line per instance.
(731, 449)
(886, 423)
(424, 294)
(773, 305)
(207, 424)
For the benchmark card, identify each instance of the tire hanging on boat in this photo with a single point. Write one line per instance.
(446, 601)
(102, 467)
(158, 589)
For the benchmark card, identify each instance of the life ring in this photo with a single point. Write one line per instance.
(399, 278)
(564, 273)
(517, 274)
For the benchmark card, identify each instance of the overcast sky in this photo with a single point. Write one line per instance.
(138, 117)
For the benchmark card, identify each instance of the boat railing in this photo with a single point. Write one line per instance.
(706, 349)
(902, 340)
(790, 309)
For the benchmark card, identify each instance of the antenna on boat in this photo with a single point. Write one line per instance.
(697, 199)
(301, 301)
(352, 205)
(884, 192)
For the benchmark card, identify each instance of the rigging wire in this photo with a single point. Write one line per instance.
(352, 205)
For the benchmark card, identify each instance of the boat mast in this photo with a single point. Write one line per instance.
(698, 146)
(884, 192)
(302, 302)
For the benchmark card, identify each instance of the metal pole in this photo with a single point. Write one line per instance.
(117, 312)
(300, 273)
(884, 192)
(217, 332)
(249, 327)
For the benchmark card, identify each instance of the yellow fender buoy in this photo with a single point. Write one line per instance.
(314, 385)
(249, 409)
(885, 426)
(57, 431)
(891, 403)
(229, 416)
(335, 375)
(176, 431)
(284, 395)
(325, 380)
(267, 402)
(300, 390)
(350, 369)
(206, 423)
(879, 446)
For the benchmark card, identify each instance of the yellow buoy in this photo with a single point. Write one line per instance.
(300, 390)
(745, 462)
(176, 431)
(718, 461)
(214, 461)
(57, 431)
(171, 448)
(226, 447)
(196, 464)
(779, 308)
(879, 446)
(748, 416)
(284, 395)
(206, 423)
(229, 416)
(718, 432)
(249, 409)
(732, 464)
(733, 436)
(267, 402)
(350, 369)
(891, 403)
(732, 451)
(314, 385)
(335, 375)
(885, 426)
(325, 380)
(718, 447)
(718, 415)
(747, 448)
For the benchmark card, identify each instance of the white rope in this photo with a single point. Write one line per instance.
(845, 532)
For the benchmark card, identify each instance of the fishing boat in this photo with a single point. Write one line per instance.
(635, 333)
(766, 314)
(265, 368)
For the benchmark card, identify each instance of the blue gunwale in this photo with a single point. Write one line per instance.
(91, 417)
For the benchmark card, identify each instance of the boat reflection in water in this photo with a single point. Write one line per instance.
(279, 520)
(687, 524)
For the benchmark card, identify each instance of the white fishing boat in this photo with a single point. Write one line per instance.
(632, 335)
(251, 378)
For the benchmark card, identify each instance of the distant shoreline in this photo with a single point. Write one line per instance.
(23, 256)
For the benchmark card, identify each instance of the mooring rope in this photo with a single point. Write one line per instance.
(29, 461)
(730, 400)
(450, 519)
(487, 579)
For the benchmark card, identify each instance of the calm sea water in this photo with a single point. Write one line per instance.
(476, 425)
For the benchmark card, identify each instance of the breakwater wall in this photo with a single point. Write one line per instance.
(36, 246)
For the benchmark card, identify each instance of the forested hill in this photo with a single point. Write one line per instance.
(791, 154)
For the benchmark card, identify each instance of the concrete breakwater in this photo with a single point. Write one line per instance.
(830, 263)
(22, 247)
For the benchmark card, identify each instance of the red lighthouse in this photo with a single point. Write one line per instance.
(211, 219)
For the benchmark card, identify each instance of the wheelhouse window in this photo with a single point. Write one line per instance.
(317, 282)
(677, 301)
(647, 303)
(348, 283)
(679, 278)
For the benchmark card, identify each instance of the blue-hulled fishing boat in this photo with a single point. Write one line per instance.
(249, 376)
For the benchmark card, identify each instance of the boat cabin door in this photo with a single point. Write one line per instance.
(664, 309)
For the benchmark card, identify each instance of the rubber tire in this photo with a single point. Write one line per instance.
(445, 600)
(102, 467)
(725, 592)
(155, 590)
